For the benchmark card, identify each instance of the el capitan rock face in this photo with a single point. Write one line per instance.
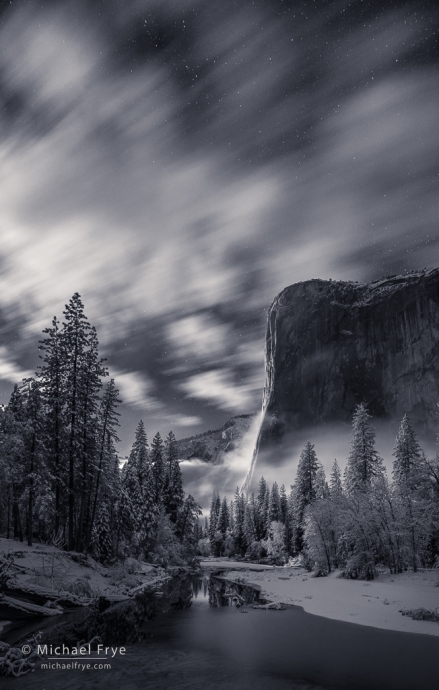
(331, 345)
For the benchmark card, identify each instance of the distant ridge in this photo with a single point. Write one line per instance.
(211, 446)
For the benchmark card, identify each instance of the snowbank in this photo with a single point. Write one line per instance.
(377, 603)
(74, 575)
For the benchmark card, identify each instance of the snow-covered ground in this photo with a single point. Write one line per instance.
(376, 603)
(236, 565)
(42, 565)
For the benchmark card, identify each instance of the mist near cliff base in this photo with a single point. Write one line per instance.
(331, 441)
(279, 463)
(200, 478)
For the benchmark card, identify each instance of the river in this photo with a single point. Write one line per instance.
(193, 637)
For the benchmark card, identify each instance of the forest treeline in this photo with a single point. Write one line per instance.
(60, 476)
(355, 522)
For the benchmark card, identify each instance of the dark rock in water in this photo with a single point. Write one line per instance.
(331, 345)
(211, 446)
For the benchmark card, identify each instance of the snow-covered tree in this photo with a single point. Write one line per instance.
(322, 488)
(52, 377)
(305, 490)
(173, 494)
(158, 466)
(224, 517)
(364, 463)
(107, 423)
(186, 520)
(335, 483)
(406, 452)
(306, 480)
(250, 521)
(239, 522)
(276, 542)
(101, 536)
(138, 480)
(274, 511)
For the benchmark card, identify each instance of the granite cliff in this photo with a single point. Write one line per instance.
(331, 345)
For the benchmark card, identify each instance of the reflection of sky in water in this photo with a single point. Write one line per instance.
(200, 592)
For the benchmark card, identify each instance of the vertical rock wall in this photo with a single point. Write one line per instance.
(331, 345)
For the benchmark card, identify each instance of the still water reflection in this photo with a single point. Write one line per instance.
(192, 636)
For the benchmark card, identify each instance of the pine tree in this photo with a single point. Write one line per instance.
(148, 512)
(239, 519)
(173, 494)
(407, 453)
(215, 508)
(250, 520)
(34, 449)
(305, 489)
(158, 466)
(262, 508)
(335, 485)
(283, 504)
(125, 515)
(364, 463)
(307, 472)
(52, 377)
(91, 372)
(322, 488)
(12, 448)
(292, 521)
(410, 485)
(107, 434)
(285, 518)
(101, 540)
(224, 517)
(232, 515)
(139, 453)
(274, 511)
(263, 488)
(186, 520)
(76, 339)
(139, 482)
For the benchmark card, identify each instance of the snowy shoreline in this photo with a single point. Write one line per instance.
(375, 603)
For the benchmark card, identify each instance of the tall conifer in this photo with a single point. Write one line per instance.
(173, 494)
(364, 463)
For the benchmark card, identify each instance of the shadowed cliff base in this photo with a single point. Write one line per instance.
(331, 345)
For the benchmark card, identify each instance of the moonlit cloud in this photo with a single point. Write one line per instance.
(135, 389)
(197, 336)
(156, 237)
(185, 421)
(217, 387)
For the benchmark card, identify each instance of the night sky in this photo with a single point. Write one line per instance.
(179, 163)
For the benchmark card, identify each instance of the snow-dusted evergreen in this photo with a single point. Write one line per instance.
(364, 462)
(59, 470)
(406, 452)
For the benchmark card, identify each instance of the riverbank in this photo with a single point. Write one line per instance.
(215, 563)
(42, 580)
(376, 603)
